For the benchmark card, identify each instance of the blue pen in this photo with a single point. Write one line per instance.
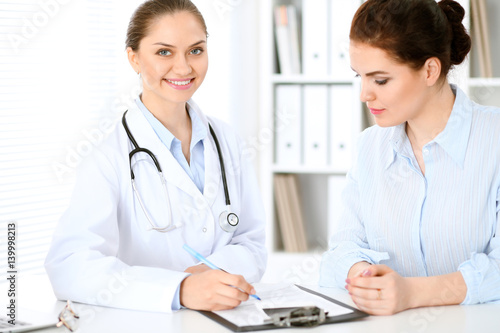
(206, 262)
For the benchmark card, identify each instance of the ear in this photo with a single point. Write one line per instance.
(432, 69)
(133, 59)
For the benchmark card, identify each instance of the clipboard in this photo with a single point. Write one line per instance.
(355, 314)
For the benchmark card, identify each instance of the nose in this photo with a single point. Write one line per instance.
(182, 66)
(366, 94)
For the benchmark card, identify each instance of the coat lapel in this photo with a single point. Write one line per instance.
(147, 138)
(213, 174)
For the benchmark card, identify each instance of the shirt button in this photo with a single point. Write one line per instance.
(204, 229)
(426, 151)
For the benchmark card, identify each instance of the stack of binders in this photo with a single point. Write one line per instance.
(315, 126)
(325, 37)
(289, 210)
(287, 39)
(481, 36)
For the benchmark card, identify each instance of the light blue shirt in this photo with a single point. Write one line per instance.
(195, 169)
(440, 223)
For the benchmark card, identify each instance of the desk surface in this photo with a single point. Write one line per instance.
(35, 293)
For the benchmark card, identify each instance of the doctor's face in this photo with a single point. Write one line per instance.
(393, 92)
(172, 58)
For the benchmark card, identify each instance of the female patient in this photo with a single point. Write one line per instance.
(421, 224)
(120, 243)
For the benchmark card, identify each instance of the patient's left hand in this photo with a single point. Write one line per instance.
(379, 290)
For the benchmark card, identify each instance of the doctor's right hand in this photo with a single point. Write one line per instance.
(214, 290)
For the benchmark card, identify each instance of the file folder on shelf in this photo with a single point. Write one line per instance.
(287, 40)
(314, 37)
(315, 125)
(282, 39)
(284, 214)
(341, 15)
(288, 125)
(293, 33)
(481, 36)
(289, 212)
(341, 127)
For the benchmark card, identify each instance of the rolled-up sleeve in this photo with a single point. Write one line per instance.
(482, 271)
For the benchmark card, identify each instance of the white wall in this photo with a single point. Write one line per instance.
(230, 91)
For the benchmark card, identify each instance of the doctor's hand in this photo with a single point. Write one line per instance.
(379, 290)
(214, 290)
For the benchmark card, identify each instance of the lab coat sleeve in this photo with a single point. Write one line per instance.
(82, 264)
(349, 245)
(482, 271)
(246, 253)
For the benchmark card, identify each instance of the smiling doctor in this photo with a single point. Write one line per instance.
(168, 175)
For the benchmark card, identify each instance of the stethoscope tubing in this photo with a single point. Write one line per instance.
(226, 225)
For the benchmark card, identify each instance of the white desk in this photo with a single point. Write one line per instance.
(35, 293)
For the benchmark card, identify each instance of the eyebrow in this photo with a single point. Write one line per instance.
(372, 73)
(376, 73)
(168, 45)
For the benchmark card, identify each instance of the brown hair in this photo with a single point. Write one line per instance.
(143, 18)
(413, 31)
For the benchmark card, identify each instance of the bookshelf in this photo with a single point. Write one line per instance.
(319, 182)
(313, 178)
(485, 90)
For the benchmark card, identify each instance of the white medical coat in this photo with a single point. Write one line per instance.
(102, 252)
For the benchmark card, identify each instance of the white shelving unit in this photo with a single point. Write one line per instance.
(314, 180)
(486, 91)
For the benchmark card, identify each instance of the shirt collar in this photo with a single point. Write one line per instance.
(199, 130)
(453, 139)
(396, 139)
(455, 136)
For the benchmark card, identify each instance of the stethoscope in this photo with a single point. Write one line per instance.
(228, 221)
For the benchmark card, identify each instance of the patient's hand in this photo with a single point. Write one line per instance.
(379, 290)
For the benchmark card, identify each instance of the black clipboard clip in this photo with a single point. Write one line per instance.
(307, 316)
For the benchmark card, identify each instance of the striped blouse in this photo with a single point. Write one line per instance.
(443, 222)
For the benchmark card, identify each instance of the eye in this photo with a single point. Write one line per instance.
(197, 51)
(381, 82)
(164, 53)
(357, 75)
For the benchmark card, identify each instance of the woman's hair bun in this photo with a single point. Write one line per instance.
(460, 39)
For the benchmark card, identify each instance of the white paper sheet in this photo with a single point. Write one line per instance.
(251, 312)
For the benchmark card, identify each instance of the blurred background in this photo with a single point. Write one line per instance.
(278, 73)
(65, 79)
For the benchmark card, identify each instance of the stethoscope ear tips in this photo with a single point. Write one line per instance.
(228, 221)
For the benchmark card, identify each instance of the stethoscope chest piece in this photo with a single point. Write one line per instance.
(228, 221)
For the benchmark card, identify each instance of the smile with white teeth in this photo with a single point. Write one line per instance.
(179, 83)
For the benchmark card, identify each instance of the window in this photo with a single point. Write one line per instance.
(64, 75)
(61, 76)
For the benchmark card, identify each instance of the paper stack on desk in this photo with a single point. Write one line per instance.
(251, 312)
